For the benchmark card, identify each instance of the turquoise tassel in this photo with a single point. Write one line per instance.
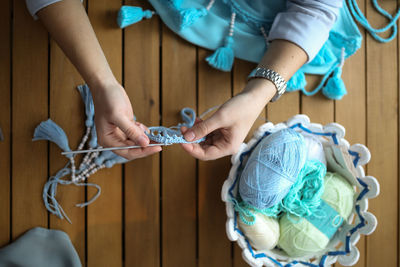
(324, 56)
(129, 15)
(190, 15)
(223, 57)
(335, 88)
(49, 130)
(88, 101)
(176, 3)
(298, 81)
(93, 137)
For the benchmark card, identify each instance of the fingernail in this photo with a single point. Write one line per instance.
(143, 141)
(141, 126)
(189, 136)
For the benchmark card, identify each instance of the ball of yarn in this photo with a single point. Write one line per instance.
(305, 195)
(299, 237)
(263, 234)
(315, 150)
(272, 168)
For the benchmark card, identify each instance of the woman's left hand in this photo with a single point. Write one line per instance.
(228, 126)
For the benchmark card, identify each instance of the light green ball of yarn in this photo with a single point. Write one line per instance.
(298, 237)
(263, 234)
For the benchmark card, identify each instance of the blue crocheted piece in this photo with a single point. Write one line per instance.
(94, 161)
(173, 135)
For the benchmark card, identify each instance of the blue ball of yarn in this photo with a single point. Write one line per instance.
(272, 168)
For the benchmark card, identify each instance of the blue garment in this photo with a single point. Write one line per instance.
(40, 247)
(324, 29)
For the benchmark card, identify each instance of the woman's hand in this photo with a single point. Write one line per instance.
(228, 126)
(115, 122)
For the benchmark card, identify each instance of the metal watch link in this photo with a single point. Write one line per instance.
(272, 76)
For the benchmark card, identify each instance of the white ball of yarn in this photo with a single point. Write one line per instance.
(263, 234)
(315, 148)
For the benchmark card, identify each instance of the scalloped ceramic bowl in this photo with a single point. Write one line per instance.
(342, 247)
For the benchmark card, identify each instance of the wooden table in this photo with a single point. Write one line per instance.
(165, 210)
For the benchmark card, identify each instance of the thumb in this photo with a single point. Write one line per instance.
(132, 130)
(201, 129)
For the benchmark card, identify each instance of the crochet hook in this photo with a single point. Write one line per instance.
(107, 149)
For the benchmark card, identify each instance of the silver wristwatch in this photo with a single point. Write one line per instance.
(272, 76)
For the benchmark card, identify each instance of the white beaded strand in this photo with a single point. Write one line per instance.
(210, 4)
(84, 138)
(264, 33)
(232, 24)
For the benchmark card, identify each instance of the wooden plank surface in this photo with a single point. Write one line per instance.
(318, 108)
(29, 108)
(179, 185)
(241, 70)
(104, 216)
(287, 106)
(166, 209)
(214, 89)
(351, 112)
(67, 110)
(142, 176)
(5, 122)
(382, 140)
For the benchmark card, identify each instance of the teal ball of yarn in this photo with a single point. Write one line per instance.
(272, 168)
(299, 237)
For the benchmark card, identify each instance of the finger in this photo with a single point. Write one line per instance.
(136, 153)
(203, 152)
(132, 153)
(201, 129)
(132, 131)
(184, 129)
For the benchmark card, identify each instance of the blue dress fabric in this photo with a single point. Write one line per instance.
(324, 29)
(40, 247)
(210, 30)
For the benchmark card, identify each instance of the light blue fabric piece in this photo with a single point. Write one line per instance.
(272, 168)
(173, 135)
(40, 247)
(210, 31)
(326, 219)
(307, 23)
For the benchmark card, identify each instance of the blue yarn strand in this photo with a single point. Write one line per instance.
(359, 16)
(173, 135)
(50, 191)
(88, 102)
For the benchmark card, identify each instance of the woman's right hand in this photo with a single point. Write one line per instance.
(115, 122)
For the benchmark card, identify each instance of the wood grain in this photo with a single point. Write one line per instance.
(67, 110)
(382, 140)
(351, 111)
(5, 122)
(29, 108)
(318, 108)
(179, 188)
(287, 106)
(214, 89)
(142, 176)
(241, 70)
(104, 221)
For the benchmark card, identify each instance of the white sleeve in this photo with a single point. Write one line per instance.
(306, 23)
(35, 5)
